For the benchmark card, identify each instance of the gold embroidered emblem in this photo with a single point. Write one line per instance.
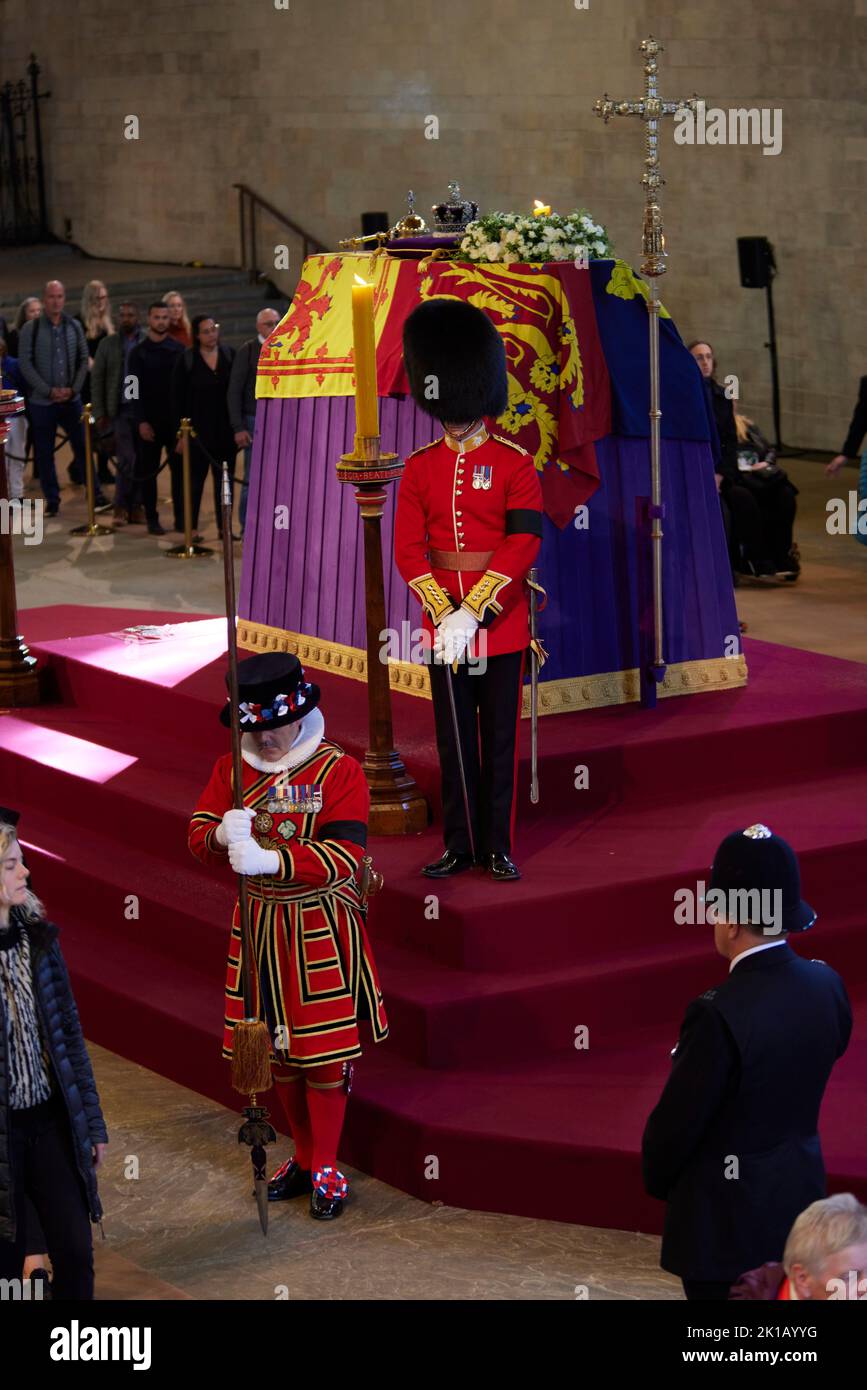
(433, 599)
(262, 822)
(483, 594)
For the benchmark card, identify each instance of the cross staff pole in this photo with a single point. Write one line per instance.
(651, 108)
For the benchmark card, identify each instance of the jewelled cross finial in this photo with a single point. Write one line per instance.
(650, 109)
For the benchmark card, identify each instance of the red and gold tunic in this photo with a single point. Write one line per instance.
(467, 528)
(315, 973)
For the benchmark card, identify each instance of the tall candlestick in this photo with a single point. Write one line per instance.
(364, 351)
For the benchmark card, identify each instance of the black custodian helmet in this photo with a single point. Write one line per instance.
(455, 361)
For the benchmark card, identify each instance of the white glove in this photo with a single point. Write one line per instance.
(453, 635)
(235, 826)
(248, 857)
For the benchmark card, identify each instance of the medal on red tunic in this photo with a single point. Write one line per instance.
(482, 476)
(295, 798)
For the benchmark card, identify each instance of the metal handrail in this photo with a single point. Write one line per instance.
(248, 197)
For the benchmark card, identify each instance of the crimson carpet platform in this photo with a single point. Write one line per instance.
(480, 1097)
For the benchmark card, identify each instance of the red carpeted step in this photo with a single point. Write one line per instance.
(486, 983)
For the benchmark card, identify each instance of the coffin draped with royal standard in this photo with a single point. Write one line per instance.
(576, 347)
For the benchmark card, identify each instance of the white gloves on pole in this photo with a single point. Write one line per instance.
(248, 857)
(234, 826)
(453, 635)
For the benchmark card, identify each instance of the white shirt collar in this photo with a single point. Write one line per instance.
(765, 946)
(261, 339)
(311, 731)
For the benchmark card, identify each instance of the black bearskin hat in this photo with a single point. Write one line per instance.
(455, 361)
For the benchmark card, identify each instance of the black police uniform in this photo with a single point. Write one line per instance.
(732, 1146)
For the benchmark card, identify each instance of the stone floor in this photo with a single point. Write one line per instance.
(185, 1226)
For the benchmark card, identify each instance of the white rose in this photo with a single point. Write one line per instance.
(492, 250)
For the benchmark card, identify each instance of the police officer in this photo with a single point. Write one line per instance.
(467, 529)
(732, 1146)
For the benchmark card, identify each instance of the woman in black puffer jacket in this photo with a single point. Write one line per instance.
(52, 1133)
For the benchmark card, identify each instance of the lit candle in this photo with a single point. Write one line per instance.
(364, 353)
(541, 209)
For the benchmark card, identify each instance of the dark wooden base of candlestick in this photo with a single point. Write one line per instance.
(19, 675)
(397, 805)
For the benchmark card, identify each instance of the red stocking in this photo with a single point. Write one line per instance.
(326, 1104)
(293, 1099)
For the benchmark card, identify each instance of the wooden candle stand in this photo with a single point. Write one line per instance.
(397, 805)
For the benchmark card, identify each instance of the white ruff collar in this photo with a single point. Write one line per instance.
(311, 731)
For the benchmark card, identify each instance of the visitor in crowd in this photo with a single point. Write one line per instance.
(774, 492)
(29, 308)
(732, 1147)
(857, 430)
(200, 386)
(112, 409)
(242, 396)
(151, 363)
(180, 327)
(52, 1135)
(825, 1257)
(750, 549)
(95, 318)
(53, 360)
(16, 439)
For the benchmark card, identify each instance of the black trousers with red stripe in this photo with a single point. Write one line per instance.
(488, 704)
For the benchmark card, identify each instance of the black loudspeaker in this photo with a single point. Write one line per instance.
(374, 222)
(756, 261)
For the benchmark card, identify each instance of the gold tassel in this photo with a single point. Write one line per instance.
(539, 650)
(251, 1061)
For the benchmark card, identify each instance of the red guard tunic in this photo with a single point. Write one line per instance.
(316, 974)
(467, 529)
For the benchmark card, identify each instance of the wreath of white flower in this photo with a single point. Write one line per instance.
(509, 237)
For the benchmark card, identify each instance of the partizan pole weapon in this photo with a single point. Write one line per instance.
(251, 1066)
(538, 657)
(650, 109)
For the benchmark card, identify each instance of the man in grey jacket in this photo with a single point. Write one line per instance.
(242, 395)
(53, 358)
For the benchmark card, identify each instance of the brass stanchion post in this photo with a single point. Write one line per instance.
(187, 551)
(93, 527)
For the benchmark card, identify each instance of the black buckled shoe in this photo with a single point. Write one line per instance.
(452, 862)
(290, 1181)
(501, 868)
(330, 1190)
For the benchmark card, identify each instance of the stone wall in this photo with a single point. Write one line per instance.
(322, 107)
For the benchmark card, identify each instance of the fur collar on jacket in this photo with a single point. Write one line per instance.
(311, 731)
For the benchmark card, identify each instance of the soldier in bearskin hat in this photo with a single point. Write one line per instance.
(300, 839)
(732, 1146)
(467, 529)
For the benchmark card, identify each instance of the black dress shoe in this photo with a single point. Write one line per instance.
(52, 509)
(452, 862)
(154, 529)
(501, 868)
(290, 1181)
(328, 1195)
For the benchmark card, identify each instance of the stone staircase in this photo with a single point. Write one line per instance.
(226, 293)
